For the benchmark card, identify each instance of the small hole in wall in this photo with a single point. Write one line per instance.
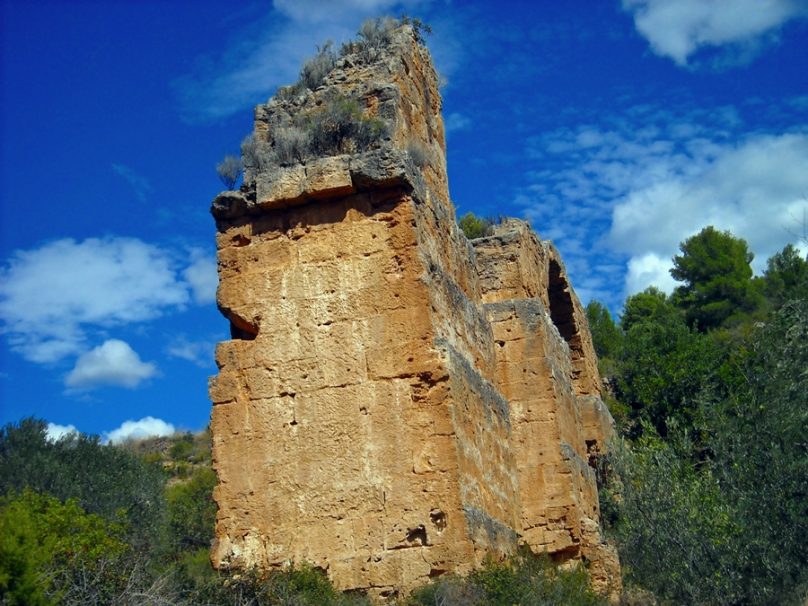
(438, 519)
(417, 535)
(243, 332)
(240, 240)
(436, 572)
(292, 423)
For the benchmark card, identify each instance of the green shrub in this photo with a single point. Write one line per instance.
(475, 227)
(299, 586)
(291, 144)
(104, 479)
(420, 155)
(525, 580)
(255, 154)
(192, 510)
(53, 552)
(182, 449)
(374, 36)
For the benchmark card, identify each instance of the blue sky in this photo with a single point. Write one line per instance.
(618, 128)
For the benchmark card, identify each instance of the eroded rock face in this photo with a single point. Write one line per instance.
(396, 402)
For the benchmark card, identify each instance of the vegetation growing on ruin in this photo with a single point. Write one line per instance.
(474, 227)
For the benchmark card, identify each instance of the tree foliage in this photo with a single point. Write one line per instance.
(649, 305)
(716, 271)
(46, 546)
(192, 510)
(663, 368)
(524, 580)
(104, 479)
(786, 276)
(606, 335)
(708, 492)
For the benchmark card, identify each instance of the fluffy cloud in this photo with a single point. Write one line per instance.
(113, 363)
(55, 432)
(201, 276)
(250, 70)
(679, 28)
(755, 189)
(146, 427)
(51, 296)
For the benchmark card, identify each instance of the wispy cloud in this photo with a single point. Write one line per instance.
(140, 185)
(197, 352)
(260, 59)
(54, 298)
(456, 121)
(113, 363)
(679, 28)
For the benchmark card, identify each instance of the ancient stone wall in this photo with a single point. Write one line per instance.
(395, 402)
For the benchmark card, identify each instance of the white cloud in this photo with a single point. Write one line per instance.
(113, 363)
(202, 277)
(55, 432)
(679, 28)
(755, 189)
(250, 70)
(136, 430)
(51, 297)
(649, 270)
(198, 352)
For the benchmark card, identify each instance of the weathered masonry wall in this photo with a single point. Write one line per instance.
(395, 402)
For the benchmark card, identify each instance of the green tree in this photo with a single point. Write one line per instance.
(760, 458)
(717, 275)
(606, 335)
(726, 526)
(105, 479)
(46, 546)
(663, 367)
(675, 528)
(786, 276)
(650, 304)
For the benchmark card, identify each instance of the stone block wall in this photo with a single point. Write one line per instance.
(395, 402)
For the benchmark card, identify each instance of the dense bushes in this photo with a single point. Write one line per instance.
(103, 479)
(54, 552)
(525, 580)
(708, 497)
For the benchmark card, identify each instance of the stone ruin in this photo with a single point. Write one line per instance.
(396, 402)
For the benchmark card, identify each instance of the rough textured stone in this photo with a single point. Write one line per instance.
(395, 402)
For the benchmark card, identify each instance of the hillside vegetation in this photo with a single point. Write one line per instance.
(707, 491)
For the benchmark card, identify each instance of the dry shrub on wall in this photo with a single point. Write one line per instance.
(255, 154)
